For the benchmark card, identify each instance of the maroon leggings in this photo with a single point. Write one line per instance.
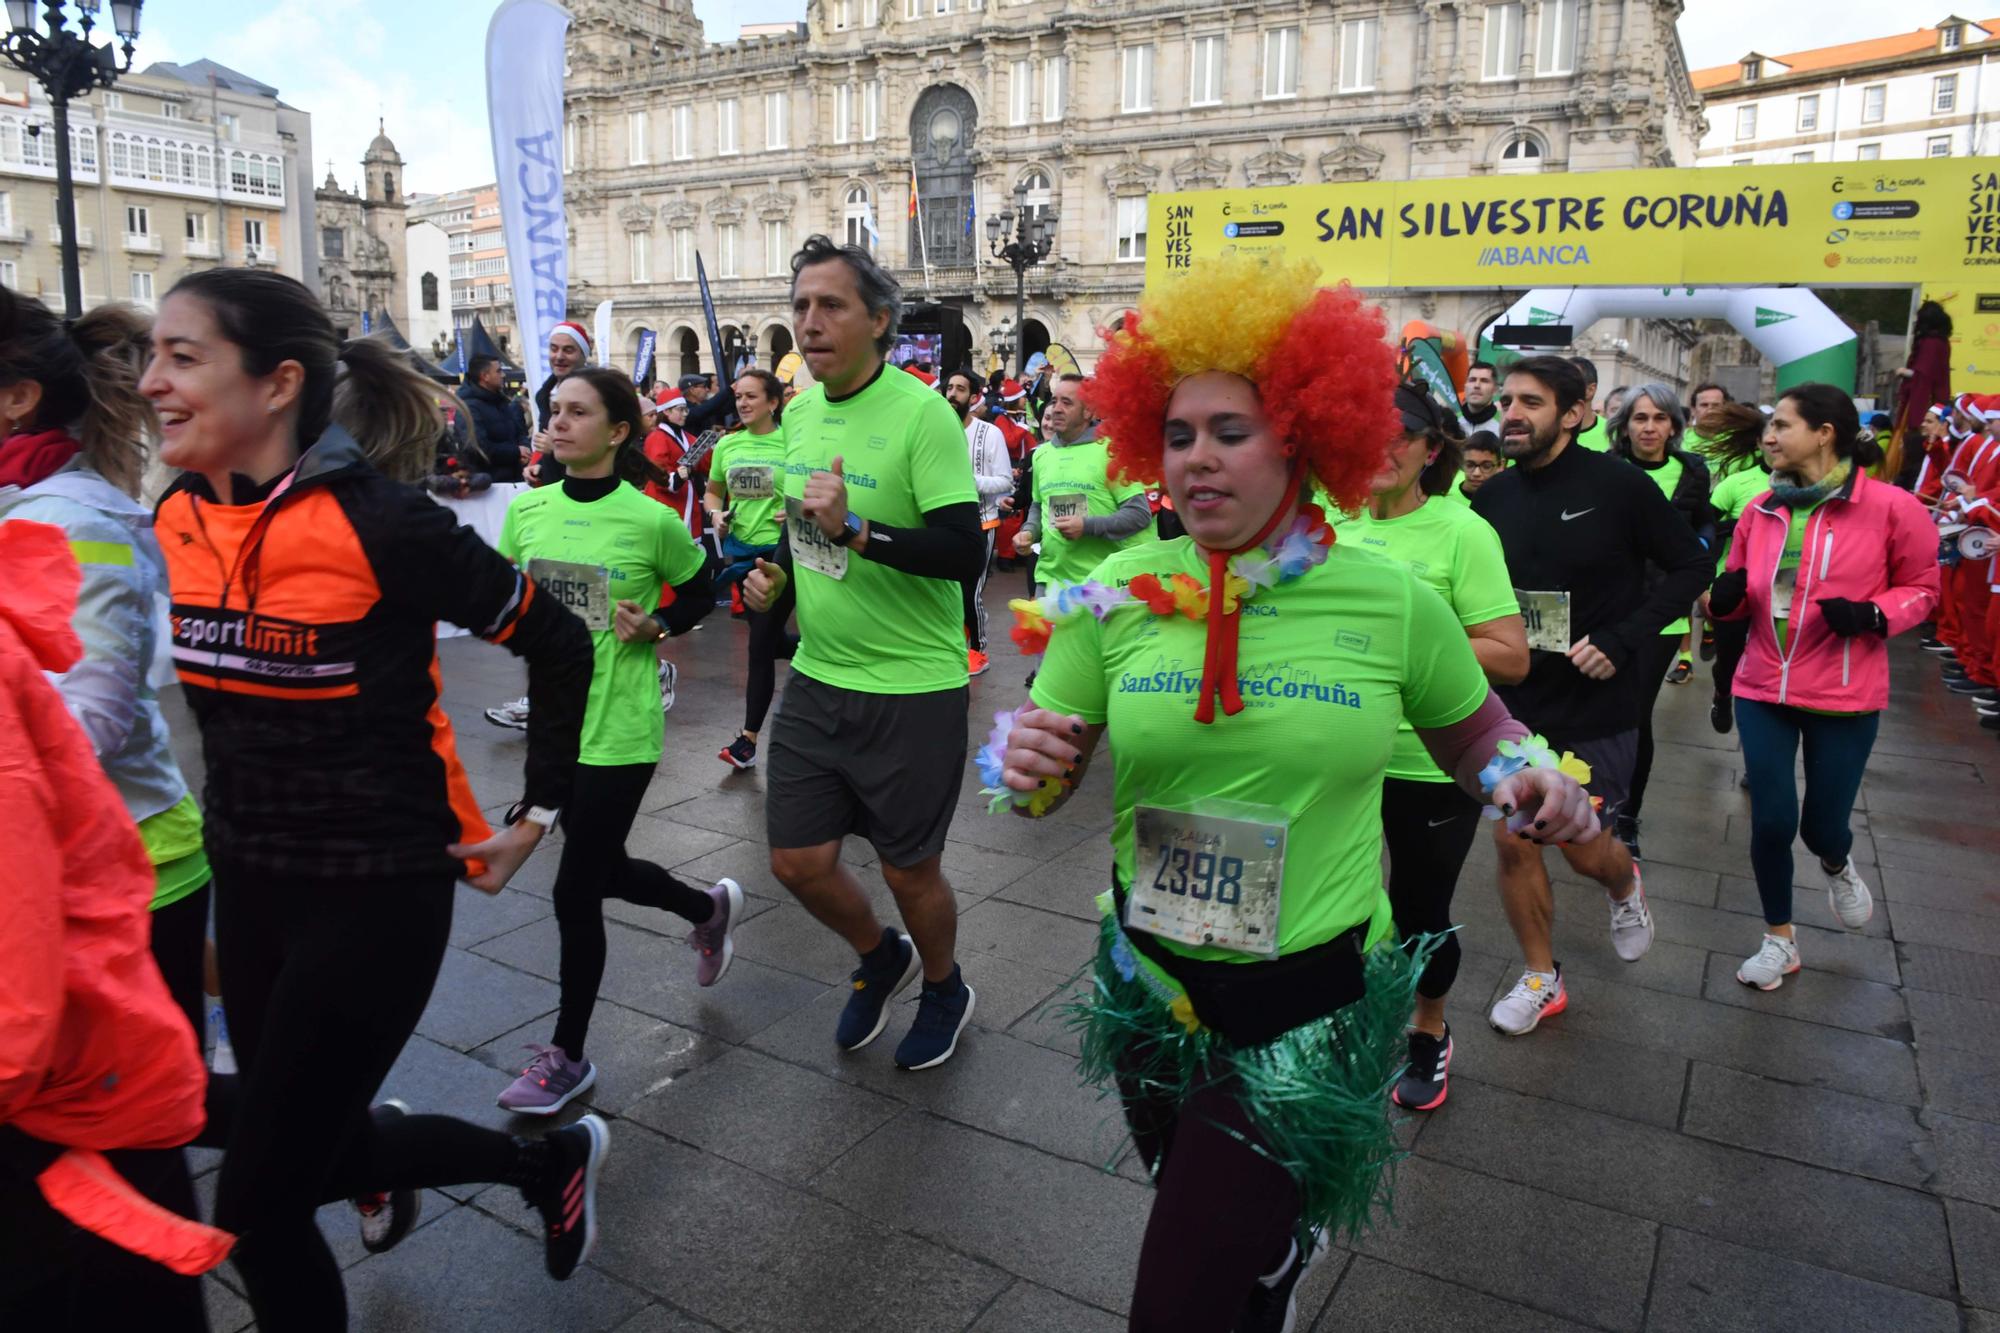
(1223, 1214)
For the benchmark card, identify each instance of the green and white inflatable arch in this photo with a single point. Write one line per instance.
(1788, 326)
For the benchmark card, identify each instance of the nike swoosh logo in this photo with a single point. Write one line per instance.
(1447, 820)
(1567, 516)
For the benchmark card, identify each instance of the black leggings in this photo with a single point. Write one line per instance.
(56, 1276)
(1223, 1212)
(1652, 663)
(1429, 827)
(603, 803)
(1731, 638)
(769, 641)
(180, 940)
(323, 983)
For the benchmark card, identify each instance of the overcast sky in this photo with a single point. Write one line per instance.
(419, 65)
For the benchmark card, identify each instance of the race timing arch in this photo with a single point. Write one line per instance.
(1733, 243)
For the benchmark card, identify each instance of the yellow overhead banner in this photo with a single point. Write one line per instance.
(1933, 220)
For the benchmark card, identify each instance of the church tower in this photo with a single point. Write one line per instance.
(384, 219)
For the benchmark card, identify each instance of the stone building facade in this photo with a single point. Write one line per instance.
(359, 237)
(739, 150)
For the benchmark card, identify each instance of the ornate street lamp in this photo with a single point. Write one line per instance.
(1003, 342)
(1023, 239)
(68, 65)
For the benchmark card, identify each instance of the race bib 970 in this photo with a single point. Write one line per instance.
(1207, 880)
(811, 549)
(584, 589)
(1547, 617)
(750, 482)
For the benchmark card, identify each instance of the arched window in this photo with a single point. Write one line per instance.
(1522, 155)
(430, 286)
(389, 186)
(239, 173)
(1040, 197)
(857, 218)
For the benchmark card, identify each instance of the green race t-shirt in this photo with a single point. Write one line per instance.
(1066, 476)
(1456, 495)
(1785, 582)
(174, 846)
(750, 469)
(1329, 665)
(1597, 437)
(1731, 496)
(1457, 555)
(865, 626)
(591, 556)
(1667, 476)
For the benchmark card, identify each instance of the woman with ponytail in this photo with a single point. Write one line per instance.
(307, 583)
(598, 544)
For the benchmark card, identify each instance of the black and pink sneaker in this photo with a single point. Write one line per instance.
(567, 1194)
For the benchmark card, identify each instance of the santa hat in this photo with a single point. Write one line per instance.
(1011, 391)
(1968, 403)
(574, 331)
(669, 399)
(923, 375)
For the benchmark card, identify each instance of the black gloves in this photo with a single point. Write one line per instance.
(1848, 619)
(1728, 591)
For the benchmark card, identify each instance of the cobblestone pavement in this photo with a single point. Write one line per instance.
(1674, 1152)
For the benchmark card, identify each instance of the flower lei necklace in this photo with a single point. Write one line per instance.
(1303, 546)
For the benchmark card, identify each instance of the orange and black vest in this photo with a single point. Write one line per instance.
(304, 628)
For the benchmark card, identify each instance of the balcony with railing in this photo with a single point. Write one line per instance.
(143, 243)
(86, 239)
(201, 249)
(264, 255)
(12, 231)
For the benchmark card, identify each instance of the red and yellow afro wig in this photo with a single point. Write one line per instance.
(1319, 357)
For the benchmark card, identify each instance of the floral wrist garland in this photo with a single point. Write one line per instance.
(1301, 547)
(992, 762)
(1529, 752)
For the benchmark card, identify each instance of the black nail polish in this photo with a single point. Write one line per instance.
(1541, 823)
(1076, 728)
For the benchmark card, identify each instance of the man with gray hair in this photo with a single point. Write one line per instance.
(881, 530)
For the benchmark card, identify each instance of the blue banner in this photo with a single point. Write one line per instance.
(524, 105)
(722, 375)
(644, 366)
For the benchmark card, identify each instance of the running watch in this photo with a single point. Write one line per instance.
(849, 530)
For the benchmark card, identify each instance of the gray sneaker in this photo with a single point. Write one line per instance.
(550, 1082)
(714, 939)
(669, 677)
(1849, 898)
(1631, 921)
(1767, 969)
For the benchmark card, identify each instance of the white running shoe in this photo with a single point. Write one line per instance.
(513, 713)
(1536, 996)
(669, 675)
(222, 1056)
(1849, 898)
(1631, 921)
(1767, 969)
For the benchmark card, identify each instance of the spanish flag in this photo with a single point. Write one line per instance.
(913, 186)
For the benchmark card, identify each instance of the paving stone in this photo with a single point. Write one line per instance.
(1705, 1285)
(635, 1054)
(788, 938)
(661, 1319)
(975, 872)
(1375, 1295)
(1955, 1021)
(1523, 1245)
(1840, 952)
(1039, 838)
(1006, 990)
(1949, 893)
(1027, 1308)
(1738, 894)
(1950, 971)
(1073, 1228)
(1960, 1082)
(1069, 884)
(478, 916)
(1974, 932)
(1047, 1024)
(1929, 856)
(747, 1253)
(476, 999)
(1815, 997)
(1968, 1158)
(772, 1117)
(1815, 1125)
(1582, 943)
(227, 1311)
(995, 1082)
(1681, 1181)
(470, 1272)
(1975, 1240)
(1610, 1076)
(645, 972)
(1665, 882)
(1781, 1048)
(1047, 940)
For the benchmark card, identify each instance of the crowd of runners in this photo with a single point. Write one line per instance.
(1315, 609)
